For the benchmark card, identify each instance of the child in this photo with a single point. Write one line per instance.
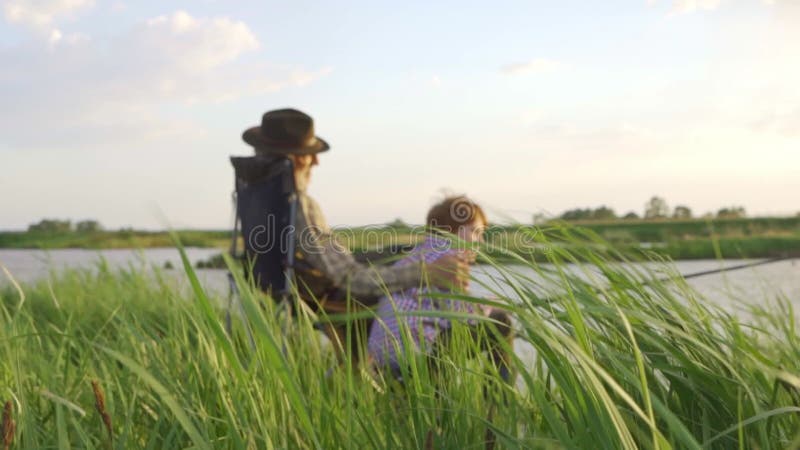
(461, 217)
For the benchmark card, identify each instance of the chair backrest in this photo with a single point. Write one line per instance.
(266, 205)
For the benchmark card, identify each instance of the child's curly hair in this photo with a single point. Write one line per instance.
(454, 212)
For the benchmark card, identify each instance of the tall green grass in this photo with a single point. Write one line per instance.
(620, 362)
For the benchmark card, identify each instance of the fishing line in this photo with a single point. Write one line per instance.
(731, 268)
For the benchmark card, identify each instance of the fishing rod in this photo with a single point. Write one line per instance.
(553, 299)
(736, 267)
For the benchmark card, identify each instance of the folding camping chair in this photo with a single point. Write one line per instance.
(265, 202)
(266, 206)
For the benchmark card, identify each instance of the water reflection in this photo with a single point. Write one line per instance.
(752, 285)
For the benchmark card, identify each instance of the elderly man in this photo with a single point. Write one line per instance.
(326, 272)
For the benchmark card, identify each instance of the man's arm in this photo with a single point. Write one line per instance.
(336, 263)
(323, 253)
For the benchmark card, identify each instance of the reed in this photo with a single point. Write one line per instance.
(8, 426)
(100, 406)
(606, 358)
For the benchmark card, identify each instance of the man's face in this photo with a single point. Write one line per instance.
(302, 169)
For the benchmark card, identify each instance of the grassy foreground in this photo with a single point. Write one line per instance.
(102, 359)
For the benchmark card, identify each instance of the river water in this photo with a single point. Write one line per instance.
(754, 285)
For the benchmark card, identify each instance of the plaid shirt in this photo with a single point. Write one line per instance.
(323, 265)
(385, 343)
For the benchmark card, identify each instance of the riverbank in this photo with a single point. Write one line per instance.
(674, 239)
(113, 239)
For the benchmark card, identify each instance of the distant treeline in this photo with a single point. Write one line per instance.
(65, 226)
(58, 233)
(623, 231)
(655, 208)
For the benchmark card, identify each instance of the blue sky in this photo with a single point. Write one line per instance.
(122, 111)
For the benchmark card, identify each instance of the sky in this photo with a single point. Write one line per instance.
(126, 112)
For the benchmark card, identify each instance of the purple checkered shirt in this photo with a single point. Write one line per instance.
(385, 344)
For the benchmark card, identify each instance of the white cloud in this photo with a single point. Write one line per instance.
(41, 13)
(82, 90)
(186, 43)
(781, 121)
(539, 65)
(55, 36)
(530, 117)
(690, 6)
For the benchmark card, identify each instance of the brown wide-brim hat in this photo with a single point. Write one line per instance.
(285, 131)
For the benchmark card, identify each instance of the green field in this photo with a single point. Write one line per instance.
(675, 239)
(630, 364)
(111, 239)
(660, 230)
(698, 238)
